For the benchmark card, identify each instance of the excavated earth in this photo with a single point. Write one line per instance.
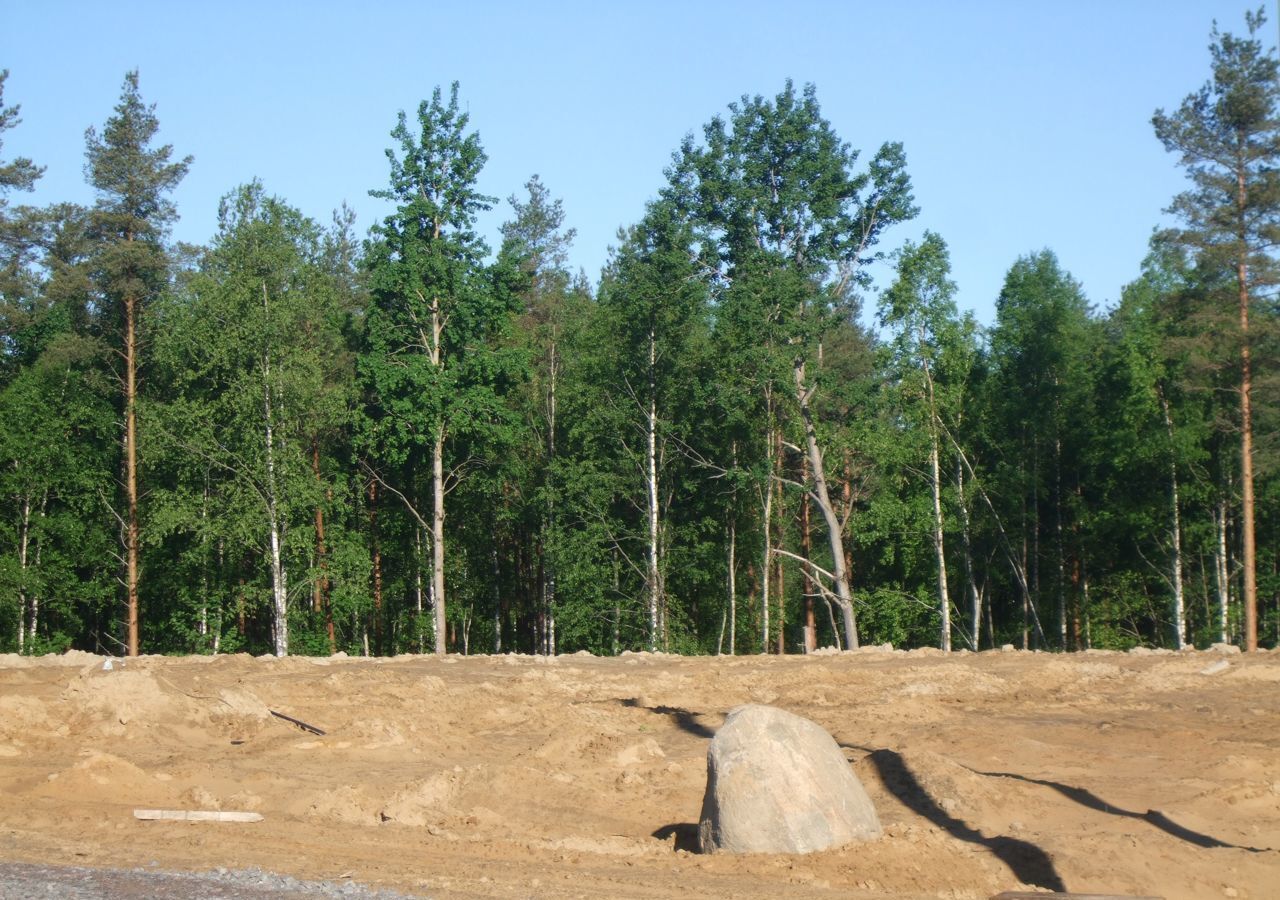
(1142, 773)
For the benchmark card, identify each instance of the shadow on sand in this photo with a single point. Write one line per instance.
(1155, 817)
(685, 720)
(685, 834)
(1029, 863)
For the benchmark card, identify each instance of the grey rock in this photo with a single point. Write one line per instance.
(778, 783)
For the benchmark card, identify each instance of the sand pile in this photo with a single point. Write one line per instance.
(516, 777)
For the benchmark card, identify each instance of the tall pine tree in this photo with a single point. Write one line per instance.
(1227, 137)
(130, 222)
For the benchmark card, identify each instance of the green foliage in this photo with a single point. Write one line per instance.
(300, 388)
(436, 361)
(255, 342)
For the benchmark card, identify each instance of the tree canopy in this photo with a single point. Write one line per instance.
(765, 427)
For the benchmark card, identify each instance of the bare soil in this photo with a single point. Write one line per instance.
(1139, 773)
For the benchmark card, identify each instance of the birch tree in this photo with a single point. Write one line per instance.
(435, 367)
(933, 351)
(246, 356)
(652, 307)
(790, 227)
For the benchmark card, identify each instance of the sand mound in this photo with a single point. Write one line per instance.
(512, 776)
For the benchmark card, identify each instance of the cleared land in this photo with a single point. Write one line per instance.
(1139, 773)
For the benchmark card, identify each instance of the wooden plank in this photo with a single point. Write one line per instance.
(301, 724)
(1040, 895)
(196, 815)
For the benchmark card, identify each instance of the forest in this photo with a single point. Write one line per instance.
(297, 439)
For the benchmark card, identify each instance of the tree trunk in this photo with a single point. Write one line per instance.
(279, 590)
(935, 482)
(1059, 544)
(806, 550)
(944, 598)
(1084, 593)
(1222, 571)
(437, 538)
(733, 587)
(653, 586)
(617, 605)
(35, 595)
(202, 627)
(844, 597)
(497, 602)
(132, 541)
(1179, 613)
(548, 531)
(1033, 562)
(780, 588)
(768, 528)
(417, 589)
(1248, 550)
(375, 540)
(975, 599)
(320, 590)
(846, 493)
(23, 543)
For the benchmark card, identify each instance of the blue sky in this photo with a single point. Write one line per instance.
(1026, 124)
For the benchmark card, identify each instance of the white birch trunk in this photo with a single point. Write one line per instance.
(768, 536)
(23, 543)
(733, 587)
(35, 595)
(935, 475)
(840, 580)
(975, 598)
(944, 599)
(1179, 610)
(417, 587)
(437, 539)
(279, 590)
(203, 627)
(651, 477)
(1223, 574)
(217, 629)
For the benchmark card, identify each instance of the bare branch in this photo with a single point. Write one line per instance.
(372, 473)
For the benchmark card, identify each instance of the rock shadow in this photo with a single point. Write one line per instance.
(685, 720)
(1029, 863)
(1091, 800)
(685, 834)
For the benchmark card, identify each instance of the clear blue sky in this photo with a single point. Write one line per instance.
(1026, 123)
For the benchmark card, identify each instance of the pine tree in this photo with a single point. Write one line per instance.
(20, 231)
(1227, 137)
(536, 243)
(130, 222)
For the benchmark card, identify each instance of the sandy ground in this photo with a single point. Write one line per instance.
(1140, 773)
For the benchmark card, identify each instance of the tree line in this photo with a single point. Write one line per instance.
(296, 440)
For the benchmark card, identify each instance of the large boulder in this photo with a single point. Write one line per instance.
(778, 783)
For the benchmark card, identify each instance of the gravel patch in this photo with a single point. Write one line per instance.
(22, 881)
